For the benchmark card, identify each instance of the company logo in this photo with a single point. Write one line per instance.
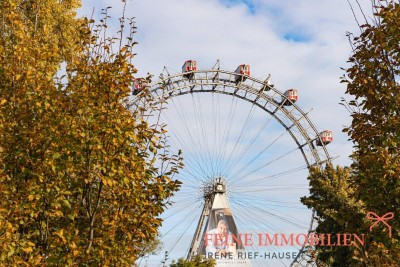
(374, 217)
(222, 244)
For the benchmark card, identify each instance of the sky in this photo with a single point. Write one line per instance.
(301, 43)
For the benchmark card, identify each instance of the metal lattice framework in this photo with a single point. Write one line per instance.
(260, 94)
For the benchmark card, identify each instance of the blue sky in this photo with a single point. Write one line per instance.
(251, 6)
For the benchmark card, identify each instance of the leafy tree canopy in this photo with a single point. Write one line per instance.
(83, 179)
(343, 197)
(198, 261)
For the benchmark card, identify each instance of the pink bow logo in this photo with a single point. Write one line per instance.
(374, 217)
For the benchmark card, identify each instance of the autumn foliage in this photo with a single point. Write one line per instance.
(80, 176)
(343, 197)
(198, 261)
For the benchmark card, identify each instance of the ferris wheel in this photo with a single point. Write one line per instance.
(247, 148)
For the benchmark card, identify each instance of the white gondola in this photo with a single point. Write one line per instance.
(292, 95)
(269, 81)
(138, 85)
(326, 138)
(188, 67)
(243, 71)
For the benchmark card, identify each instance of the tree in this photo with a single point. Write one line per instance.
(333, 197)
(198, 261)
(83, 179)
(373, 184)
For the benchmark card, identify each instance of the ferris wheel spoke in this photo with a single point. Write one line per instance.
(200, 140)
(189, 181)
(195, 141)
(201, 150)
(189, 195)
(257, 206)
(258, 155)
(176, 212)
(258, 182)
(244, 128)
(214, 118)
(259, 226)
(225, 135)
(177, 137)
(227, 138)
(191, 220)
(254, 221)
(251, 143)
(191, 178)
(264, 165)
(273, 203)
(183, 144)
(176, 205)
(271, 187)
(182, 196)
(238, 145)
(208, 136)
(217, 133)
(198, 111)
(194, 176)
(191, 212)
(195, 173)
(219, 136)
(274, 188)
(262, 199)
(241, 221)
(296, 222)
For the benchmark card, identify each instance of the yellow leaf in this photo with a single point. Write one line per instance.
(60, 233)
(27, 249)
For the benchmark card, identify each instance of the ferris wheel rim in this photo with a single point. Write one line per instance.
(166, 81)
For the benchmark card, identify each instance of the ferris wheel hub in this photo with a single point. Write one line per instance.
(216, 186)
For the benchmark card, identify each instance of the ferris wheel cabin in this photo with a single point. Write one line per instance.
(326, 138)
(243, 71)
(188, 67)
(138, 85)
(291, 95)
